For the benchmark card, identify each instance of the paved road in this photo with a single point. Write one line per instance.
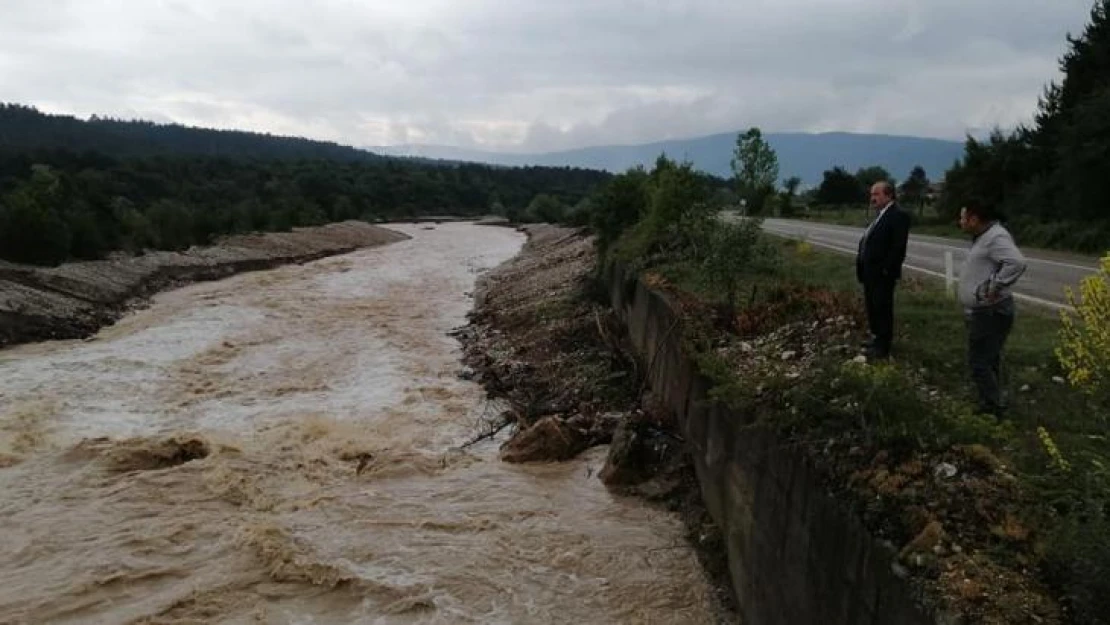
(1043, 282)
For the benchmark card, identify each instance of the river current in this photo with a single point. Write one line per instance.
(284, 447)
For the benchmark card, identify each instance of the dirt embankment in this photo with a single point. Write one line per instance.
(543, 339)
(75, 300)
(537, 341)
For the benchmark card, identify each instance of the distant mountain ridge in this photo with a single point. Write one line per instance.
(806, 155)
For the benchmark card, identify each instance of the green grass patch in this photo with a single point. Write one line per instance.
(930, 337)
(802, 264)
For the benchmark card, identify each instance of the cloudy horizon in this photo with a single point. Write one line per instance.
(543, 75)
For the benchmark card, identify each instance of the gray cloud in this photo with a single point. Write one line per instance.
(539, 74)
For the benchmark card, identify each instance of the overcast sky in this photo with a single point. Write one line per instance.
(538, 75)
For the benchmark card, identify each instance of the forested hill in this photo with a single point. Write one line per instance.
(25, 128)
(71, 189)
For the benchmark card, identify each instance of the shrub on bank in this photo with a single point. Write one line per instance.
(1084, 349)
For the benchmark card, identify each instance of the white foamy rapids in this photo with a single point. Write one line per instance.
(282, 447)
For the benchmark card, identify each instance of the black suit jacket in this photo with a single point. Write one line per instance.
(882, 250)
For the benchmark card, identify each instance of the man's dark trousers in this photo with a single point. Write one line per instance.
(878, 299)
(882, 249)
(987, 329)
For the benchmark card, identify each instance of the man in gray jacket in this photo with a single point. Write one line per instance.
(993, 265)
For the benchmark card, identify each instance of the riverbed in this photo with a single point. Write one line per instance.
(284, 447)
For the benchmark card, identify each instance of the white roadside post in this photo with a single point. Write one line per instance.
(949, 274)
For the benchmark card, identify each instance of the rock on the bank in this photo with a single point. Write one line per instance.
(548, 439)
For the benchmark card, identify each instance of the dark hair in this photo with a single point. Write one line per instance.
(984, 212)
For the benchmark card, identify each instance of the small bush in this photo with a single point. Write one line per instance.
(618, 205)
(1076, 486)
(680, 212)
(546, 208)
(679, 215)
(1084, 350)
(579, 216)
(733, 250)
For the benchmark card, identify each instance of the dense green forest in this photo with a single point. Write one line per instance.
(1051, 178)
(26, 128)
(59, 201)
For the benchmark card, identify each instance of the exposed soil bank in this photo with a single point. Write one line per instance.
(75, 300)
(543, 339)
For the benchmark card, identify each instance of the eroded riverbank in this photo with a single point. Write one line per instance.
(76, 299)
(544, 339)
(283, 447)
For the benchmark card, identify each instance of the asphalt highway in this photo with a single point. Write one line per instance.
(1043, 283)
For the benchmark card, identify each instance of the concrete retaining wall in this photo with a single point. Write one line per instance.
(796, 555)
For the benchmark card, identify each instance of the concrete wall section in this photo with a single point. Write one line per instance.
(796, 554)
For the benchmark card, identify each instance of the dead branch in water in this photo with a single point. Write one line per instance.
(491, 430)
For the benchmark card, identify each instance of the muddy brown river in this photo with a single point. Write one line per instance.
(283, 447)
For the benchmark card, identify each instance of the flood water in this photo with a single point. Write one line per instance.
(283, 447)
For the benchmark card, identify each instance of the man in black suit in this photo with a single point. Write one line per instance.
(879, 266)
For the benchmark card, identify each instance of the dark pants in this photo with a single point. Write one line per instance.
(987, 330)
(878, 298)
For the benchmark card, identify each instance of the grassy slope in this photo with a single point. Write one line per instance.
(931, 354)
(930, 332)
(930, 337)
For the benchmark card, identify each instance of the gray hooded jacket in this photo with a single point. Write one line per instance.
(993, 265)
